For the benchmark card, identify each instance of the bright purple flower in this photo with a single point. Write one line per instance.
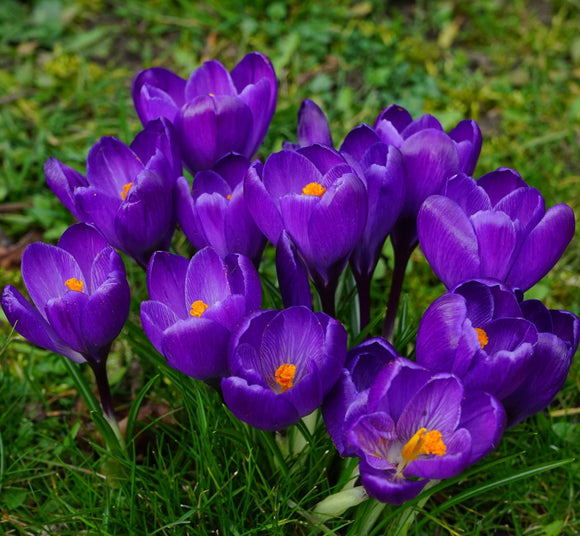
(213, 211)
(79, 292)
(478, 333)
(558, 335)
(318, 199)
(417, 426)
(496, 227)
(350, 393)
(195, 305)
(215, 112)
(128, 191)
(282, 364)
(431, 157)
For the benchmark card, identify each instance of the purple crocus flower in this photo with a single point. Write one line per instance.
(496, 227)
(80, 299)
(215, 112)
(292, 274)
(478, 333)
(418, 426)
(282, 364)
(315, 196)
(127, 193)
(430, 157)
(558, 336)
(213, 212)
(350, 393)
(195, 305)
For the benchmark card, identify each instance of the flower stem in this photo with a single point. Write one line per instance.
(402, 255)
(363, 285)
(100, 372)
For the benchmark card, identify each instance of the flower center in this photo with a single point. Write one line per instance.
(313, 188)
(481, 336)
(211, 94)
(285, 375)
(229, 196)
(74, 284)
(422, 442)
(125, 191)
(197, 308)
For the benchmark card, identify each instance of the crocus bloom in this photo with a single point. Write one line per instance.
(315, 196)
(215, 112)
(350, 393)
(496, 227)
(431, 157)
(558, 335)
(282, 364)
(478, 333)
(213, 212)
(418, 426)
(195, 305)
(127, 193)
(79, 292)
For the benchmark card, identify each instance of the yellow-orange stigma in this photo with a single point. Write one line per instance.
(197, 308)
(481, 336)
(74, 284)
(125, 191)
(229, 196)
(285, 376)
(211, 94)
(422, 442)
(313, 188)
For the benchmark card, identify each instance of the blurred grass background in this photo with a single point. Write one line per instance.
(66, 68)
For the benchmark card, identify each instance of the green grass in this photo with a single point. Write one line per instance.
(66, 69)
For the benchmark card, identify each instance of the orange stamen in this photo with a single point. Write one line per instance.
(125, 191)
(74, 284)
(481, 336)
(285, 375)
(313, 188)
(197, 308)
(422, 442)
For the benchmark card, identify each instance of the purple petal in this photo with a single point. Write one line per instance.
(211, 210)
(388, 488)
(212, 78)
(292, 274)
(497, 241)
(45, 269)
(63, 180)
(467, 136)
(206, 278)
(228, 312)
(436, 406)
(312, 125)
(187, 216)
(64, 315)
(448, 241)
(370, 436)
(543, 247)
(166, 275)
(500, 183)
(156, 317)
(322, 156)
(157, 92)
(111, 165)
(105, 313)
(295, 337)
(358, 140)
(525, 206)
(430, 159)
(210, 127)
(446, 340)
(197, 347)
(99, 209)
(466, 192)
(258, 406)
(484, 418)
(424, 122)
(395, 115)
(85, 244)
(262, 208)
(244, 280)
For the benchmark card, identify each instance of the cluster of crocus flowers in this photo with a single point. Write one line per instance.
(485, 358)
